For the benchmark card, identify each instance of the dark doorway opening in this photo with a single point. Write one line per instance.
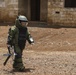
(35, 10)
(70, 3)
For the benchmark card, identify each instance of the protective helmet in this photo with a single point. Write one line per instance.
(22, 18)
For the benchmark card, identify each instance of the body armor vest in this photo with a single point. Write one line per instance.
(22, 37)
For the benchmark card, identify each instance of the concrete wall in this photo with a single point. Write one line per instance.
(8, 10)
(59, 15)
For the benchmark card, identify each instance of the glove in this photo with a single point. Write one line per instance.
(9, 41)
(31, 41)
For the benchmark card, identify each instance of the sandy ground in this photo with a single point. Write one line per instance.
(54, 51)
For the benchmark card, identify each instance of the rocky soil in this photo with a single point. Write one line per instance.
(54, 51)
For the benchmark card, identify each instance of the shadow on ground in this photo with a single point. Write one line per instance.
(14, 71)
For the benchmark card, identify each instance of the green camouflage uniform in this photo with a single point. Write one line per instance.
(18, 36)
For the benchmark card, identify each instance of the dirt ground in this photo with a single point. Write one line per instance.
(54, 51)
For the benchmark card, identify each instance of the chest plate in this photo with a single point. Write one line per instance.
(22, 37)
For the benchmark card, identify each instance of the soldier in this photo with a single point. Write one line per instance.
(17, 36)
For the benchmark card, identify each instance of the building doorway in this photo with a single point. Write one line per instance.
(35, 10)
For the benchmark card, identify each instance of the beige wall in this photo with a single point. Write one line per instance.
(24, 8)
(51, 11)
(8, 10)
(44, 10)
(59, 15)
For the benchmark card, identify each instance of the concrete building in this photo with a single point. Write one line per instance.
(55, 12)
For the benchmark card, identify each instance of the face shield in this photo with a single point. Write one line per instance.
(23, 20)
(24, 24)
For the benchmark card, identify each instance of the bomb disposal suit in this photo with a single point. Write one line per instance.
(17, 36)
